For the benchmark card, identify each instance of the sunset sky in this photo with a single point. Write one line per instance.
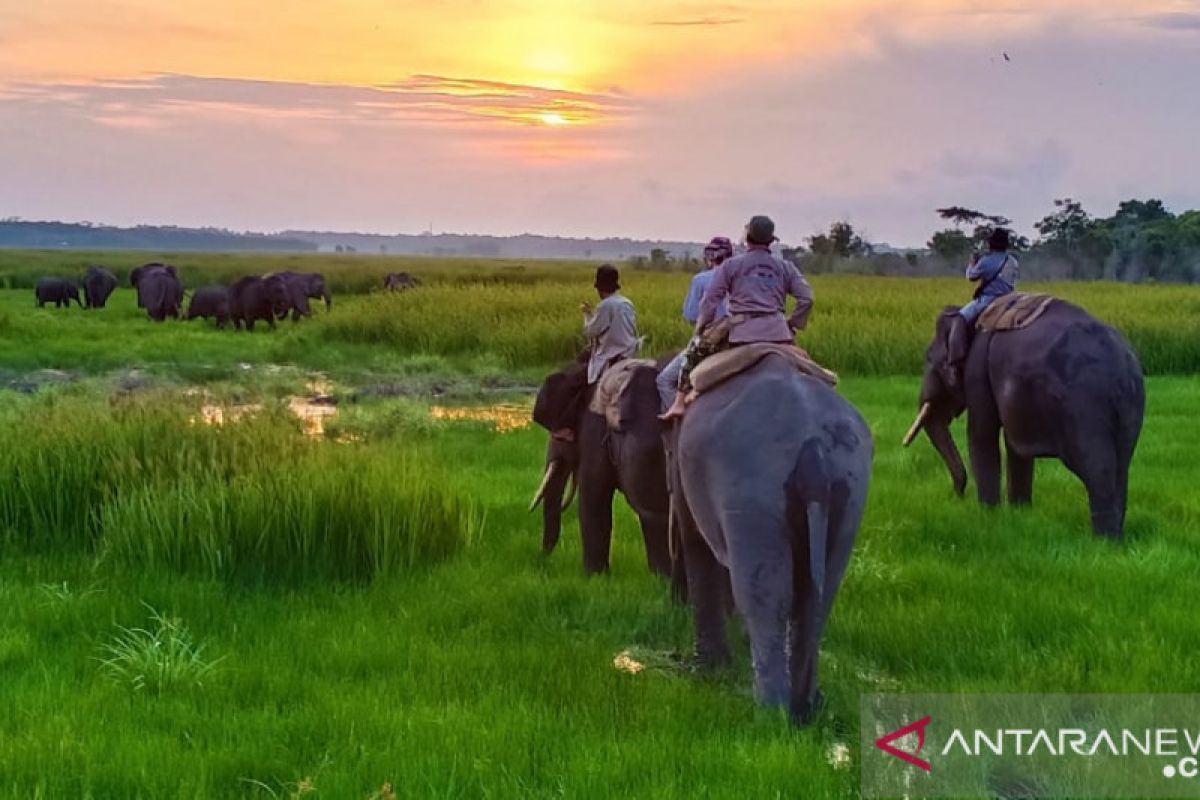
(571, 117)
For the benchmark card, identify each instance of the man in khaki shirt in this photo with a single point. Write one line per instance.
(611, 327)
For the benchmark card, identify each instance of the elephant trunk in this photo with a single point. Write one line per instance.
(328, 300)
(550, 496)
(939, 434)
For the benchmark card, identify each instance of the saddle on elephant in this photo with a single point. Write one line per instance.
(606, 401)
(1014, 312)
(720, 367)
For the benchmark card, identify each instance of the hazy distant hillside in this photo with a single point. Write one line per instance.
(53, 235)
(523, 246)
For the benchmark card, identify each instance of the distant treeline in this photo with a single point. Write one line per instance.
(16, 233)
(1142, 240)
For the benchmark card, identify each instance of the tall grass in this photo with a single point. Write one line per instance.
(859, 326)
(146, 485)
(526, 316)
(343, 515)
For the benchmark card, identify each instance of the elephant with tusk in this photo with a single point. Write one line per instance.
(1067, 387)
(599, 462)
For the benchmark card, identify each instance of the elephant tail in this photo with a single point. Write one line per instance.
(809, 495)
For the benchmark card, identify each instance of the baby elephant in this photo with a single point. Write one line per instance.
(210, 302)
(58, 291)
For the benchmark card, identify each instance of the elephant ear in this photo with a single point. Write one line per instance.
(560, 400)
(639, 399)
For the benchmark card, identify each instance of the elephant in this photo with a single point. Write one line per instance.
(210, 302)
(98, 286)
(254, 298)
(1067, 387)
(400, 281)
(769, 477)
(599, 463)
(302, 286)
(58, 291)
(159, 290)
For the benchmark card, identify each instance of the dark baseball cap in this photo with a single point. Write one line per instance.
(760, 230)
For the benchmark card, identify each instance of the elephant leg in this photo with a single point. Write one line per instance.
(655, 533)
(1020, 478)
(595, 522)
(597, 485)
(807, 626)
(983, 433)
(708, 590)
(762, 572)
(1101, 476)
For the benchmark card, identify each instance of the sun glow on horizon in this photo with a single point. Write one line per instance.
(553, 119)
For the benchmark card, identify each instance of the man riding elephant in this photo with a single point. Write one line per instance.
(716, 252)
(997, 274)
(612, 334)
(756, 286)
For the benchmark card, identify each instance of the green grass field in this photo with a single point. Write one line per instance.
(246, 611)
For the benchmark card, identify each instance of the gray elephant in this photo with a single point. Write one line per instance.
(1067, 387)
(600, 463)
(210, 302)
(770, 472)
(254, 298)
(400, 281)
(159, 290)
(98, 286)
(56, 290)
(301, 287)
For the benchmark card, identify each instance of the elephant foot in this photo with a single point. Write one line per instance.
(805, 713)
(1108, 527)
(708, 660)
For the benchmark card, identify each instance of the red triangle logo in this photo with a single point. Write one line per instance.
(918, 727)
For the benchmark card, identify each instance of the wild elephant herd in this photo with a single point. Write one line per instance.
(756, 495)
(251, 299)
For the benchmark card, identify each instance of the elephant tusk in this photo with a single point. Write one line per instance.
(916, 426)
(551, 468)
(570, 494)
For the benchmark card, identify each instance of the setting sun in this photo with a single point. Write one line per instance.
(553, 119)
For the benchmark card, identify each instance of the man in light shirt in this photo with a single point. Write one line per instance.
(756, 286)
(715, 253)
(610, 327)
(612, 335)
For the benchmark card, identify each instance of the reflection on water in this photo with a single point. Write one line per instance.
(313, 415)
(216, 416)
(505, 417)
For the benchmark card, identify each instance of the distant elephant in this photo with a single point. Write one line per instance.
(770, 472)
(600, 463)
(56, 290)
(210, 302)
(254, 298)
(1067, 387)
(159, 290)
(302, 286)
(400, 281)
(98, 286)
